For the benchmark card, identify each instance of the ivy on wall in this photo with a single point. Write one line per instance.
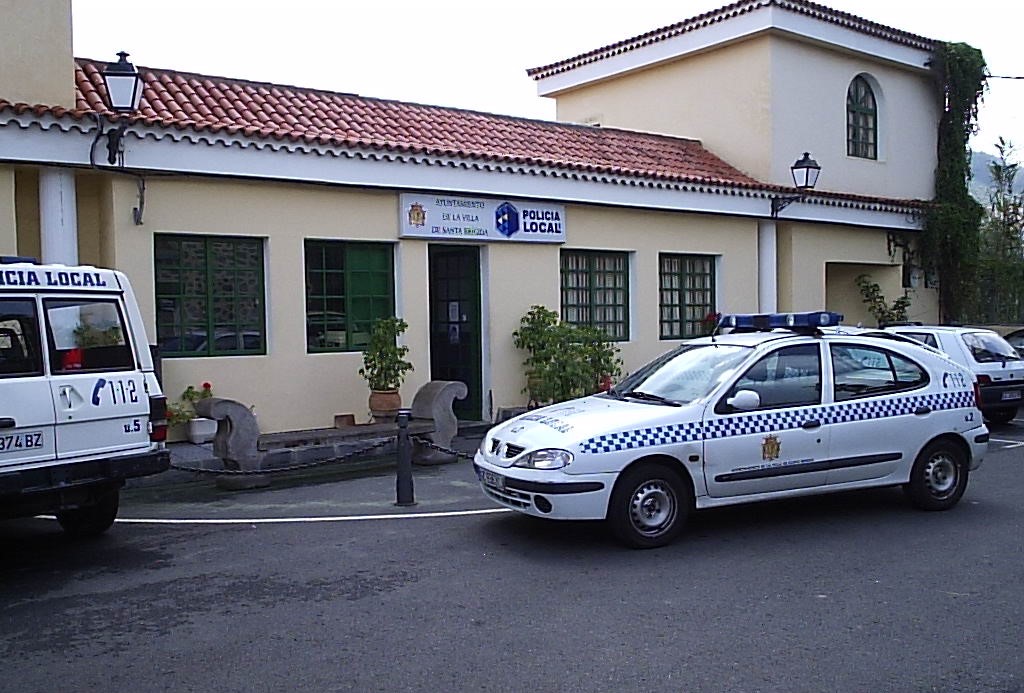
(950, 243)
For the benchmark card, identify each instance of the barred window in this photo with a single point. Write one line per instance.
(209, 295)
(348, 287)
(595, 291)
(687, 294)
(861, 120)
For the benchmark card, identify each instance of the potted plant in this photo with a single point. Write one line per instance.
(183, 412)
(384, 367)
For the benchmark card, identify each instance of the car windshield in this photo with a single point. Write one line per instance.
(986, 348)
(686, 374)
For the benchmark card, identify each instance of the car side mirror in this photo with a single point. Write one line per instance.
(744, 400)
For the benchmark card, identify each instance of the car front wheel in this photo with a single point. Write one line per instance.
(649, 506)
(939, 476)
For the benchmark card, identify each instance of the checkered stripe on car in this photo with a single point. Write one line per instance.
(643, 437)
(861, 410)
(770, 421)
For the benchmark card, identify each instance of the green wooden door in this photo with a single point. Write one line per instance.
(455, 334)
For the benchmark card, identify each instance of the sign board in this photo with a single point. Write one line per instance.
(439, 217)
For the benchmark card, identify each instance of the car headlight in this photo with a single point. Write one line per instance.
(545, 459)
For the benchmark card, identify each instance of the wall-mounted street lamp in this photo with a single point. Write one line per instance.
(805, 176)
(124, 92)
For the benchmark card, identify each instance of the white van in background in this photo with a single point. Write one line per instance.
(81, 409)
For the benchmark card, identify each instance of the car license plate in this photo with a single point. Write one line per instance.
(1011, 394)
(492, 479)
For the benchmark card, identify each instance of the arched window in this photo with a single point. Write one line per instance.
(861, 120)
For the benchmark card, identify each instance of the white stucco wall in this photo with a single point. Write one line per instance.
(809, 114)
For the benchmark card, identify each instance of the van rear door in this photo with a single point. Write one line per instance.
(97, 388)
(26, 408)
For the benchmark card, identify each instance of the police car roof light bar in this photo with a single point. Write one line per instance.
(15, 259)
(752, 322)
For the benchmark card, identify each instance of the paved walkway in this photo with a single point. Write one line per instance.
(357, 488)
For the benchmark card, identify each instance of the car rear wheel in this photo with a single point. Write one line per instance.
(939, 476)
(91, 520)
(649, 506)
(1001, 416)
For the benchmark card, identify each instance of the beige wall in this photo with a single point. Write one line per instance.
(722, 97)
(292, 389)
(35, 53)
(8, 218)
(26, 200)
(843, 296)
(289, 388)
(647, 234)
(759, 104)
(818, 266)
(517, 276)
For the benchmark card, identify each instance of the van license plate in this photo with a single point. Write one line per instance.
(21, 441)
(492, 479)
(1011, 394)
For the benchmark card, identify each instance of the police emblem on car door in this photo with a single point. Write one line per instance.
(768, 433)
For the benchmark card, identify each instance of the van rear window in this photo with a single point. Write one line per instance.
(20, 353)
(86, 335)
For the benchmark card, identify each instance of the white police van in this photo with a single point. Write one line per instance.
(773, 409)
(80, 406)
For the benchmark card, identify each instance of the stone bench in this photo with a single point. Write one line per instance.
(240, 446)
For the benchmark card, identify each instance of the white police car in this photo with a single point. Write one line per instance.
(756, 414)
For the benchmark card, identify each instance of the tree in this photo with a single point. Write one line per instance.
(951, 234)
(1001, 260)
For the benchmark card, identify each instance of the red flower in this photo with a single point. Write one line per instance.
(207, 386)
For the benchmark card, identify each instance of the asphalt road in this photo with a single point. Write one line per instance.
(855, 592)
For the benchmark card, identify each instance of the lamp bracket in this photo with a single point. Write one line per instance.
(115, 143)
(780, 202)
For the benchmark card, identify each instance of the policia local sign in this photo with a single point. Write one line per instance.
(472, 219)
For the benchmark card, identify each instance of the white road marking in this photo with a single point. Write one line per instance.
(286, 520)
(1007, 443)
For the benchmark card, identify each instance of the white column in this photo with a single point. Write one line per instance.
(767, 267)
(58, 216)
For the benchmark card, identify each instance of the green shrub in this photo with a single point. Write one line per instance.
(565, 361)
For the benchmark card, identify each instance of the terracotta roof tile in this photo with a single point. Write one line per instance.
(216, 104)
(810, 9)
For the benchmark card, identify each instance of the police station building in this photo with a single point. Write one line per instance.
(265, 227)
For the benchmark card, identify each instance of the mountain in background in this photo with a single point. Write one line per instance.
(981, 179)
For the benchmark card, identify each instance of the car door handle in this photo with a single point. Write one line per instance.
(812, 423)
(7, 422)
(921, 411)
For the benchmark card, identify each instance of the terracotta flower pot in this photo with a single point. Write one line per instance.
(384, 405)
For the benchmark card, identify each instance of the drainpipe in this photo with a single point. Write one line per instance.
(58, 216)
(767, 267)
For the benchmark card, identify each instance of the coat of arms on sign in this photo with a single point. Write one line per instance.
(417, 215)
